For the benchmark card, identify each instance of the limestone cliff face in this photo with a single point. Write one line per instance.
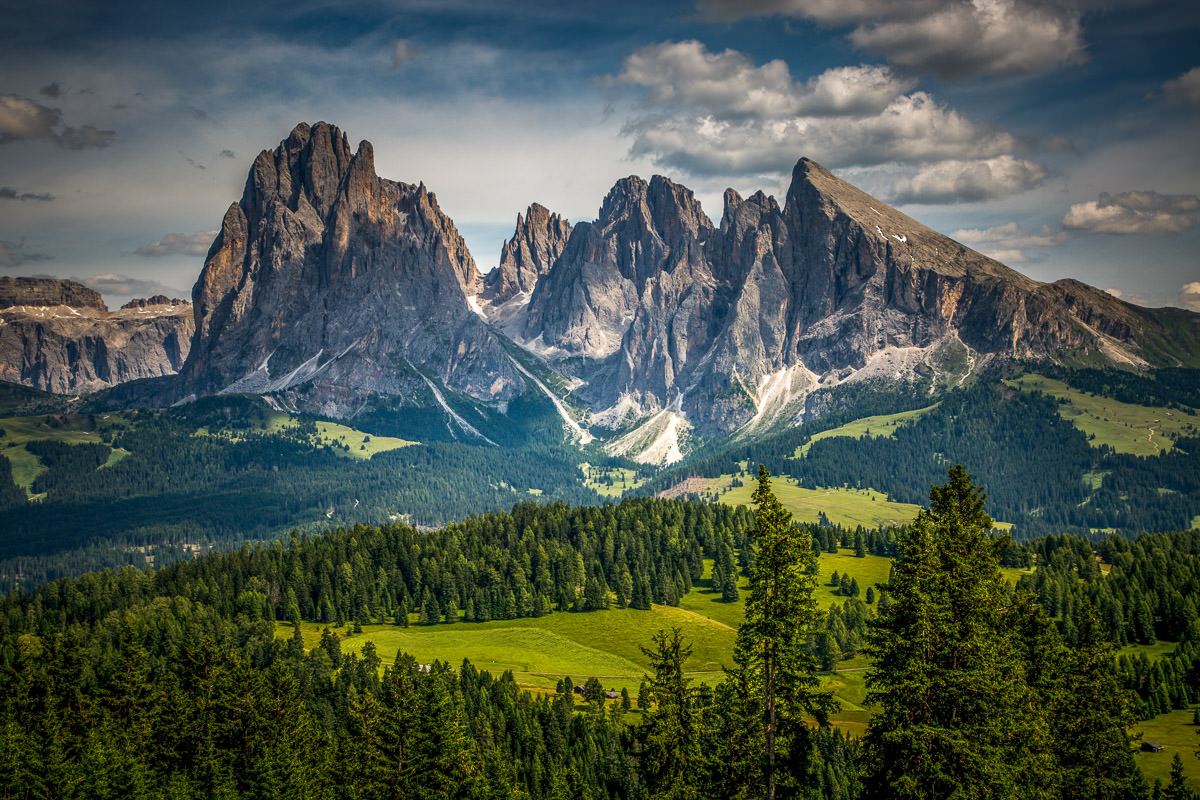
(655, 309)
(326, 276)
(47, 292)
(536, 244)
(58, 336)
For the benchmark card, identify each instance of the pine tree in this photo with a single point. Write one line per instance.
(1091, 720)
(770, 651)
(1177, 788)
(954, 714)
(669, 735)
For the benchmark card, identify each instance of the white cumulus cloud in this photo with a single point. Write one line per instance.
(1008, 242)
(719, 114)
(1189, 296)
(966, 181)
(1134, 213)
(1185, 90)
(21, 118)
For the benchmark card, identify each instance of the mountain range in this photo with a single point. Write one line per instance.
(331, 290)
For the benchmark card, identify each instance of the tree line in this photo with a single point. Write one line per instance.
(174, 683)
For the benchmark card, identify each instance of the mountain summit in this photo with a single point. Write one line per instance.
(332, 285)
(665, 318)
(335, 291)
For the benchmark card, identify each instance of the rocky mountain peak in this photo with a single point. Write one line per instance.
(657, 314)
(328, 277)
(305, 170)
(153, 302)
(537, 242)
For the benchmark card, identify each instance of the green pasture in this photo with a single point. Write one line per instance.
(881, 425)
(846, 507)
(1137, 430)
(1176, 733)
(1154, 652)
(331, 434)
(68, 428)
(607, 644)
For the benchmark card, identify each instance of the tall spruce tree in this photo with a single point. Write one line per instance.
(955, 714)
(669, 735)
(770, 652)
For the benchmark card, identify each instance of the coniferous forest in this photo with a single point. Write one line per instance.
(177, 683)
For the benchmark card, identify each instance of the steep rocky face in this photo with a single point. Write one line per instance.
(536, 244)
(327, 276)
(660, 314)
(47, 292)
(156, 300)
(58, 336)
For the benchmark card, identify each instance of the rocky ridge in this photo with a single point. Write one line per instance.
(537, 242)
(332, 284)
(673, 323)
(328, 288)
(59, 336)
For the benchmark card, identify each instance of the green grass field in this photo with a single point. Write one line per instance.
(606, 644)
(68, 428)
(883, 425)
(330, 434)
(1138, 430)
(1176, 733)
(847, 507)
(1154, 652)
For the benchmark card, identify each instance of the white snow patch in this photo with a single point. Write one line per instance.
(902, 238)
(583, 436)
(882, 235)
(473, 303)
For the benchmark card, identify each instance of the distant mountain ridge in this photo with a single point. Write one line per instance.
(332, 284)
(332, 290)
(59, 336)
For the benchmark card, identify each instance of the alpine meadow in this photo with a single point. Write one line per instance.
(716, 476)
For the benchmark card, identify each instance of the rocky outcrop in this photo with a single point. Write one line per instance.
(47, 292)
(151, 302)
(328, 279)
(663, 317)
(58, 336)
(536, 244)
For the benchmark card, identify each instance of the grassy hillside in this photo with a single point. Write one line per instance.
(610, 481)
(1176, 733)
(606, 644)
(882, 425)
(1127, 428)
(847, 507)
(66, 428)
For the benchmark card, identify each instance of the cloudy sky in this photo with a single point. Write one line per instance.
(1060, 137)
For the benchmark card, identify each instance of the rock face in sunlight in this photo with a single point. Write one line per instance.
(59, 336)
(330, 288)
(652, 307)
(536, 244)
(327, 276)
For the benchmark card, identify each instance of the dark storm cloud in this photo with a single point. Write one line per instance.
(9, 193)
